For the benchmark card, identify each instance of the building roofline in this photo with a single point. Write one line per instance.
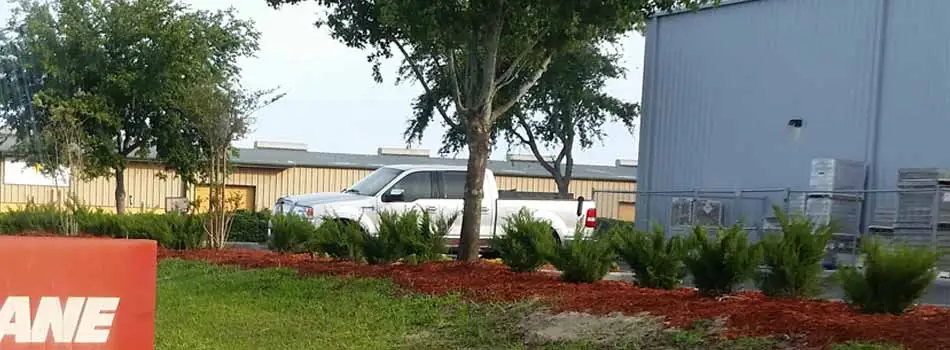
(722, 3)
(285, 159)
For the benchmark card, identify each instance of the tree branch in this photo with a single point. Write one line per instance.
(453, 76)
(422, 80)
(523, 90)
(533, 145)
(509, 75)
(489, 65)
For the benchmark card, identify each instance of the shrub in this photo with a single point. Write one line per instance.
(187, 231)
(892, 277)
(341, 239)
(414, 236)
(290, 233)
(656, 260)
(249, 226)
(526, 242)
(793, 260)
(46, 218)
(100, 224)
(584, 259)
(719, 265)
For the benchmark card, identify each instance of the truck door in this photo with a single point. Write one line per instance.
(453, 190)
(414, 190)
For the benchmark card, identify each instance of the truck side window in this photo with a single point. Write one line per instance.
(416, 186)
(454, 184)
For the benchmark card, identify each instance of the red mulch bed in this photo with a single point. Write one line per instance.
(818, 322)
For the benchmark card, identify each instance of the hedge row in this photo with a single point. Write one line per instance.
(719, 261)
(170, 230)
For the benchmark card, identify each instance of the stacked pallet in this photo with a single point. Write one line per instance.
(923, 208)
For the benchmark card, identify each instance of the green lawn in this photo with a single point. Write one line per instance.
(201, 306)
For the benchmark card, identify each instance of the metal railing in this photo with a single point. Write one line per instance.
(916, 216)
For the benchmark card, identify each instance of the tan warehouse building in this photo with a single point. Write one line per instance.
(270, 170)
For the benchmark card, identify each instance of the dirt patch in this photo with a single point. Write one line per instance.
(612, 330)
(819, 322)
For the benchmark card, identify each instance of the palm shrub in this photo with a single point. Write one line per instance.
(793, 260)
(584, 259)
(341, 239)
(720, 264)
(413, 235)
(656, 260)
(526, 243)
(892, 278)
(290, 233)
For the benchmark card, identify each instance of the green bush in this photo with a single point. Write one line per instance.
(892, 279)
(249, 226)
(100, 224)
(793, 259)
(719, 265)
(584, 259)
(45, 218)
(341, 239)
(414, 236)
(187, 231)
(526, 242)
(290, 233)
(656, 260)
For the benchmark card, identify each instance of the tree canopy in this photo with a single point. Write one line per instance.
(489, 52)
(566, 108)
(118, 73)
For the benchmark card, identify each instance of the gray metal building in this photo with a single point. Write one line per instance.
(745, 95)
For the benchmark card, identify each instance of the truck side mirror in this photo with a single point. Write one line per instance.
(394, 195)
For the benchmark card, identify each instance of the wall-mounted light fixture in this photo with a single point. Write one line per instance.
(796, 122)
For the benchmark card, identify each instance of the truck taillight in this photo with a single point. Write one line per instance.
(309, 212)
(590, 221)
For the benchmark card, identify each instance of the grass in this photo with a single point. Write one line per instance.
(202, 306)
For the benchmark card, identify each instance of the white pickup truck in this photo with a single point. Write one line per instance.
(438, 190)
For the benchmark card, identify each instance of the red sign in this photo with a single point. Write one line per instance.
(77, 293)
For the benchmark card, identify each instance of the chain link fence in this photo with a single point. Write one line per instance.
(919, 217)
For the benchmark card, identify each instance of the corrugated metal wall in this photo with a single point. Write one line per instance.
(720, 86)
(607, 202)
(148, 192)
(270, 184)
(145, 190)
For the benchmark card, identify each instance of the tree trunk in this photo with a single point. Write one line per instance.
(120, 200)
(479, 149)
(563, 186)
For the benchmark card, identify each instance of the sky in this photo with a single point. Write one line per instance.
(333, 104)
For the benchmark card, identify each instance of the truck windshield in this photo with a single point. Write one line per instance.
(374, 182)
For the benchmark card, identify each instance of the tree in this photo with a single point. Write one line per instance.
(491, 51)
(566, 107)
(120, 69)
(220, 115)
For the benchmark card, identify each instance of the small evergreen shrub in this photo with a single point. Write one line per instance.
(414, 236)
(249, 226)
(187, 231)
(100, 224)
(341, 239)
(584, 259)
(526, 243)
(290, 233)
(892, 278)
(656, 260)
(44, 218)
(793, 259)
(719, 265)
